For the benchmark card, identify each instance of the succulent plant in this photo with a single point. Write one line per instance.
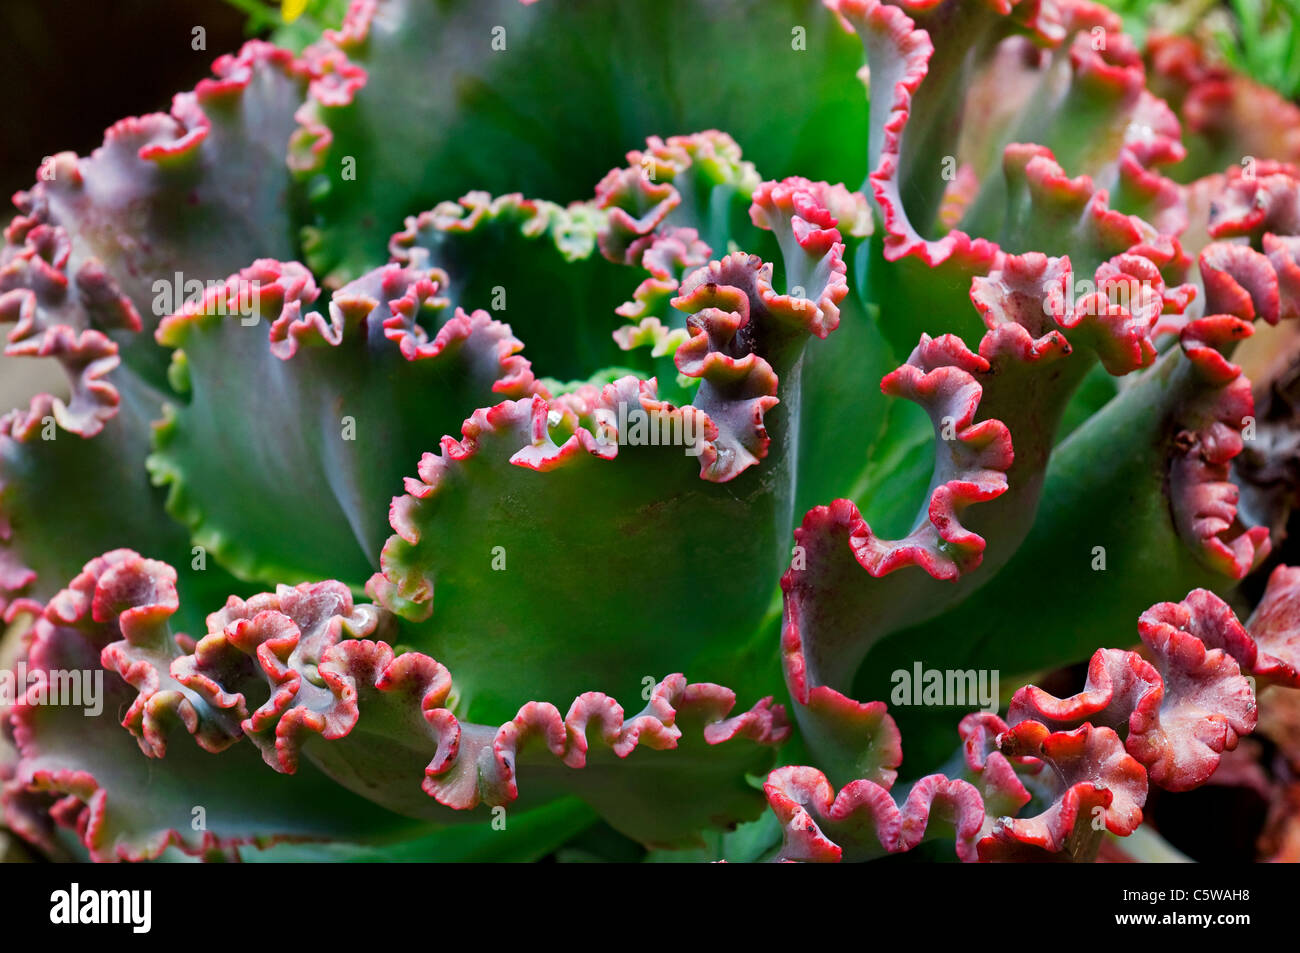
(670, 507)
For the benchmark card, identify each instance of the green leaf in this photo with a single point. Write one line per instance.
(281, 456)
(480, 95)
(526, 838)
(70, 499)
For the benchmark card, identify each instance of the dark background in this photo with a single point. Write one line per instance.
(69, 69)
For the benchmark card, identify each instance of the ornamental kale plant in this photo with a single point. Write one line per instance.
(424, 489)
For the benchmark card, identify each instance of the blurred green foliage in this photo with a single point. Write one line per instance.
(1260, 38)
(277, 19)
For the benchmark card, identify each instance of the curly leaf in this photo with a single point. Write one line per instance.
(296, 673)
(423, 101)
(277, 466)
